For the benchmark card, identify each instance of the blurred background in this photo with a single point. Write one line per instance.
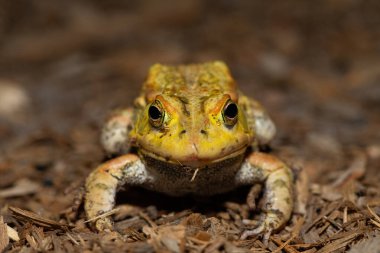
(65, 64)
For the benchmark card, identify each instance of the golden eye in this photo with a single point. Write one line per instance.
(156, 114)
(230, 113)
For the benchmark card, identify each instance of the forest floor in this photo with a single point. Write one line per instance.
(64, 65)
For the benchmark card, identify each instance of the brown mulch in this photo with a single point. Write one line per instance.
(335, 217)
(65, 64)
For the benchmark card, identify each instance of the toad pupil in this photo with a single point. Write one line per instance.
(231, 111)
(154, 112)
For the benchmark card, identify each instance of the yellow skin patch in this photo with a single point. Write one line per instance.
(191, 128)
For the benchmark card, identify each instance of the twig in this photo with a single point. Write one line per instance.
(103, 215)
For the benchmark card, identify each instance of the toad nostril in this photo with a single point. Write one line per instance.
(204, 132)
(182, 133)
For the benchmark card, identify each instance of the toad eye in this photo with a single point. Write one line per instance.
(156, 114)
(230, 113)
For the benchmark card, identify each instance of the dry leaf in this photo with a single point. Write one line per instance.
(4, 239)
(37, 219)
(167, 238)
(12, 233)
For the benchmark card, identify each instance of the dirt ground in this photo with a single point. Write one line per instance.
(65, 64)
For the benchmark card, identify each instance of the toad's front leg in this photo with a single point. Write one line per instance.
(278, 194)
(103, 182)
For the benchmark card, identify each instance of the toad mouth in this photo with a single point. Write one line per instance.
(194, 160)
